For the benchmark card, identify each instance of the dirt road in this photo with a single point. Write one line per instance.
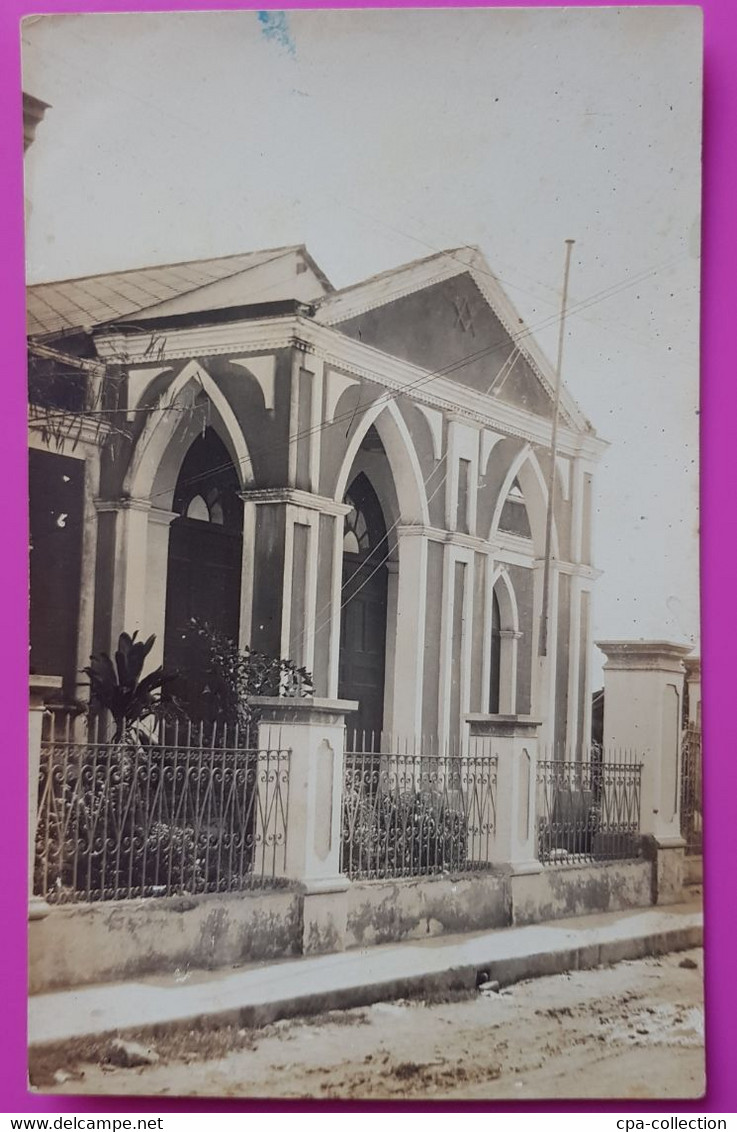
(632, 1030)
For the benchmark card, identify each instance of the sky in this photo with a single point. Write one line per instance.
(378, 137)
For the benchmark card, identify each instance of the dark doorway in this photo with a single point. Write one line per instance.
(56, 486)
(204, 569)
(363, 619)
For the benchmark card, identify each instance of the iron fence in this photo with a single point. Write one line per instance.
(188, 810)
(417, 814)
(588, 809)
(692, 818)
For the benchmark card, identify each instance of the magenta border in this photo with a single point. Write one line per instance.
(719, 514)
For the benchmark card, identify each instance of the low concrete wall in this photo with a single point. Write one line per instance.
(96, 943)
(576, 890)
(693, 870)
(383, 911)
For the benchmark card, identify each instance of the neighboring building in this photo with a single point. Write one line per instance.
(33, 112)
(355, 479)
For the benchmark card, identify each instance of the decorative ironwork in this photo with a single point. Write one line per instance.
(692, 817)
(417, 814)
(191, 811)
(588, 809)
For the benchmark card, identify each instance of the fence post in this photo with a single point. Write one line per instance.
(513, 739)
(40, 688)
(643, 707)
(313, 731)
(693, 681)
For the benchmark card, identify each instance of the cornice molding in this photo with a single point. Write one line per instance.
(356, 358)
(295, 497)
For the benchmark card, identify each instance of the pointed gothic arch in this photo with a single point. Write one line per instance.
(525, 468)
(166, 437)
(388, 421)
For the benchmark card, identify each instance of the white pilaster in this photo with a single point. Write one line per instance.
(574, 666)
(245, 624)
(157, 562)
(318, 381)
(452, 555)
(409, 648)
(128, 612)
(88, 567)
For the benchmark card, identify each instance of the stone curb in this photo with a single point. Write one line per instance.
(505, 971)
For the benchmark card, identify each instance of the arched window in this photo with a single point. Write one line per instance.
(356, 536)
(207, 487)
(364, 531)
(514, 518)
(206, 508)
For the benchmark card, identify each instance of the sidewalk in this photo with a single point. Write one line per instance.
(254, 995)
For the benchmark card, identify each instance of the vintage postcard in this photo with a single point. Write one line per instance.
(365, 696)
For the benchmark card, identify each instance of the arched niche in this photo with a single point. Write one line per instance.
(505, 634)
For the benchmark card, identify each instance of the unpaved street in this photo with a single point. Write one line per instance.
(631, 1030)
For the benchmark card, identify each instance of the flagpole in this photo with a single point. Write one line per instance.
(545, 612)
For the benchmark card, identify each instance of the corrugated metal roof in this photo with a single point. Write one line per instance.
(72, 303)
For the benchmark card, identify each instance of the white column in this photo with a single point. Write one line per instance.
(409, 647)
(585, 737)
(159, 522)
(318, 381)
(392, 598)
(335, 610)
(305, 517)
(693, 679)
(89, 567)
(128, 612)
(574, 667)
(297, 358)
(453, 555)
(247, 568)
(508, 671)
(543, 667)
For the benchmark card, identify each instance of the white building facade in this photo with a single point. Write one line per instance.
(354, 479)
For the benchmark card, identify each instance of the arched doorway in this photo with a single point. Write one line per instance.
(204, 563)
(363, 619)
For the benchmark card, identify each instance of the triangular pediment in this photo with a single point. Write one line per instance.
(449, 315)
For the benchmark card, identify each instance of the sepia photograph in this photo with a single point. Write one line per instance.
(365, 752)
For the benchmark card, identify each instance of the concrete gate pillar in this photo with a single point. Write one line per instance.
(312, 730)
(693, 680)
(643, 704)
(513, 741)
(40, 689)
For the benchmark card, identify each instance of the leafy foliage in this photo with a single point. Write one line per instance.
(120, 689)
(230, 677)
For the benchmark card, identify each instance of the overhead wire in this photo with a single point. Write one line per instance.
(391, 395)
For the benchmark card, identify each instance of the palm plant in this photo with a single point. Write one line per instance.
(119, 688)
